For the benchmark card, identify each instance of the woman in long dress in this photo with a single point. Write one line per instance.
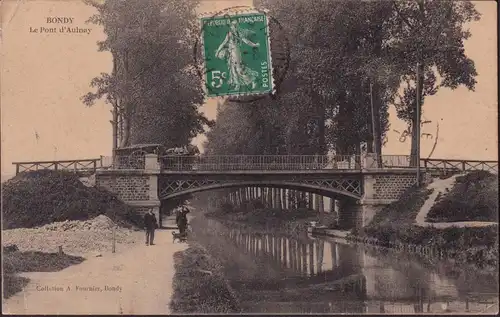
(230, 49)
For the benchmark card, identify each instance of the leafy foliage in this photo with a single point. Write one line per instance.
(430, 33)
(152, 86)
(346, 56)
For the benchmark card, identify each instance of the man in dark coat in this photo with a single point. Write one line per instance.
(181, 220)
(150, 225)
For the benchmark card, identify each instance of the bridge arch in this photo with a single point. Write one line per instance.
(316, 189)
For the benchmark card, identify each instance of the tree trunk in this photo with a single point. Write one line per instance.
(321, 206)
(375, 101)
(292, 199)
(357, 160)
(126, 111)
(369, 138)
(415, 159)
(321, 131)
(278, 199)
(283, 199)
(114, 112)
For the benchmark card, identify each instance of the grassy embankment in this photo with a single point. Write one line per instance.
(256, 215)
(467, 200)
(199, 284)
(473, 198)
(36, 198)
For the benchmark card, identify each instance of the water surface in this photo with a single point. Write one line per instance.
(275, 273)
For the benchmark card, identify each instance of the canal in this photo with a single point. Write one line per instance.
(279, 273)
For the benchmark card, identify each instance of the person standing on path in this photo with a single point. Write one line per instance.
(150, 225)
(181, 219)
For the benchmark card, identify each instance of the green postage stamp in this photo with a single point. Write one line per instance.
(237, 56)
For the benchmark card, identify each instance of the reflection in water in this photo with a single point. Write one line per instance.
(278, 274)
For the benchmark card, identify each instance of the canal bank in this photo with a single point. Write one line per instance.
(277, 273)
(199, 285)
(418, 221)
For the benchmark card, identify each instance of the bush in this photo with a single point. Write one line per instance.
(474, 197)
(37, 198)
(472, 245)
(199, 285)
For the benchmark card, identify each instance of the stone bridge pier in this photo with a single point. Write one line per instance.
(136, 188)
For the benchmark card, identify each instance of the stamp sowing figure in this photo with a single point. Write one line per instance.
(150, 225)
(230, 50)
(237, 57)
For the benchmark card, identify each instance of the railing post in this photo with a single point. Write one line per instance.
(463, 166)
(151, 162)
(368, 160)
(17, 169)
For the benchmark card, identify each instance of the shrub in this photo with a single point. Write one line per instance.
(474, 197)
(37, 198)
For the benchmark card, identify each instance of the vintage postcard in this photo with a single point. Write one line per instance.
(249, 156)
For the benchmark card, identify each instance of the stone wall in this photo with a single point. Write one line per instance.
(391, 187)
(138, 189)
(126, 187)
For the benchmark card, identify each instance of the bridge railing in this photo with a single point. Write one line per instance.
(459, 165)
(84, 165)
(261, 162)
(401, 161)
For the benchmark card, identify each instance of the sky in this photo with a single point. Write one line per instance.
(44, 75)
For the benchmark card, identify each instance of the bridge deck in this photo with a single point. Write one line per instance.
(255, 164)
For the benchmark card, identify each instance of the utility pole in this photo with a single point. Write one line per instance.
(418, 125)
(373, 125)
(114, 125)
(114, 114)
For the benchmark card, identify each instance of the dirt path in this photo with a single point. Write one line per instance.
(133, 281)
(441, 186)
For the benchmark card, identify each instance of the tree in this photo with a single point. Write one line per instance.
(153, 90)
(336, 47)
(430, 34)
